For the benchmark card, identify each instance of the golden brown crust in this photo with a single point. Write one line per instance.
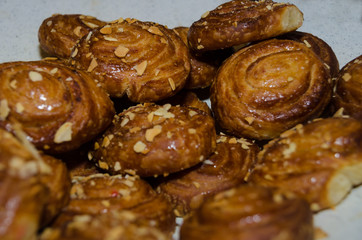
(320, 161)
(241, 21)
(58, 107)
(154, 140)
(348, 94)
(226, 168)
(320, 47)
(269, 87)
(143, 60)
(59, 33)
(250, 212)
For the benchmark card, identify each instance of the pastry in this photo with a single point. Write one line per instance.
(348, 92)
(143, 60)
(59, 33)
(227, 167)
(269, 87)
(320, 161)
(58, 107)
(241, 21)
(150, 140)
(250, 212)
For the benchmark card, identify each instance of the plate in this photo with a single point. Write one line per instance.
(339, 23)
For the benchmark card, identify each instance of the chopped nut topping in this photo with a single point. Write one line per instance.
(233, 140)
(208, 162)
(196, 184)
(307, 43)
(192, 113)
(77, 32)
(74, 53)
(92, 65)
(153, 132)
(130, 115)
(35, 76)
(200, 47)
(139, 147)
(140, 68)
(205, 14)
(13, 84)
(288, 151)
(172, 84)
(64, 133)
(290, 79)
(192, 130)
(346, 77)
(54, 71)
(124, 122)
(269, 7)
(103, 165)
(150, 117)
(117, 166)
(107, 140)
(250, 120)
(4, 109)
(19, 108)
(96, 146)
(135, 129)
(155, 30)
(107, 29)
(49, 23)
(111, 39)
(89, 24)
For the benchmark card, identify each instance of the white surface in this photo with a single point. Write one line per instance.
(337, 22)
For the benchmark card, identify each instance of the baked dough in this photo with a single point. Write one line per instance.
(269, 87)
(241, 21)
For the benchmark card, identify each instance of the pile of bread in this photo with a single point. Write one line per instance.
(110, 136)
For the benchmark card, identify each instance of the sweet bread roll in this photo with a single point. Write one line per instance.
(100, 193)
(250, 212)
(143, 60)
(241, 21)
(203, 66)
(267, 88)
(227, 167)
(110, 225)
(150, 140)
(320, 161)
(348, 91)
(320, 47)
(33, 188)
(59, 33)
(58, 107)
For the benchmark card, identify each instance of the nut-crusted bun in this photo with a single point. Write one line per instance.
(143, 60)
(58, 107)
(59, 33)
(320, 161)
(250, 212)
(241, 21)
(267, 88)
(100, 193)
(348, 91)
(226, 168)
(151, 140)
(320, 47)
(32, 191)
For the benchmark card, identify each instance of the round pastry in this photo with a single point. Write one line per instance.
(320, 161)
(59, 33)
(250, 212)
(320, 47)
(100, 193)
(348, 91)
(110, 225)
(267, 88)
(151, 140)
(227, 167)
(241, 21)
(143, 60)
(58, 107)
(31, 191)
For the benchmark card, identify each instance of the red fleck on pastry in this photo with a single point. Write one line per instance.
(227, 167)
(320, 161)
(58, 107)
(269, 87)
(151, 140)
(241, 21)
(145, 61)
(250, 212)
(59, 33)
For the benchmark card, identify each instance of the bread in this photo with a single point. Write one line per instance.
(250, 212)
(269, 87)
(58, 107)
(227, 167)
(151, 140)
(242, 21)
(320, 161)
(143, 60)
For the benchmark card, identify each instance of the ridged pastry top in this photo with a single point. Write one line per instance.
(144, 60)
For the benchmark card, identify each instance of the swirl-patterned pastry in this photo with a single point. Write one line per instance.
(227, 167)
(151, 140)
(58, 107)
(59, 33)
(348, 90)
(143, 60)
(269, 87)
(241, 21)
(320, 161)
(250, 212)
